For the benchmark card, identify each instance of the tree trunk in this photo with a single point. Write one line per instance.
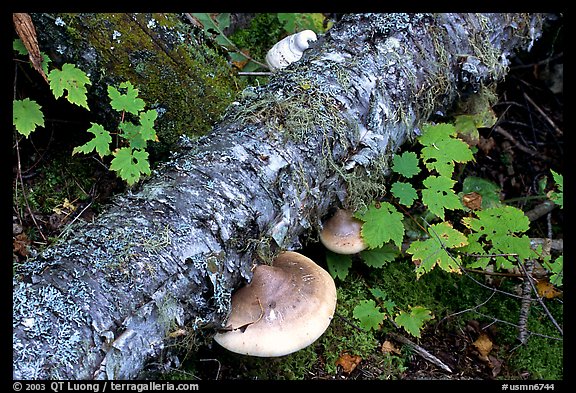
(167, 256)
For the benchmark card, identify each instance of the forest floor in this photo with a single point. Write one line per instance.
(516, 154)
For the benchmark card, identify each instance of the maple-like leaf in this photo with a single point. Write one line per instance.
(379, 257)
(406, 164)
(130, 164)
(414, 321)
(128, 102)
(100, 142)
(368, 314)
(557, 196)
(382, 223)
(26, 116)
(432, 252)
(405, 193)
(441, 150)
(338, 264)
(71, 79)
(439, 195)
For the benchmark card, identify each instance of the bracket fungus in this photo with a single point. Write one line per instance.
(289, 49)
(342, 234)
(285, 307)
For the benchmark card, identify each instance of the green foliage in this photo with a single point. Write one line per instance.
(382, 223)
(338, 264)
(406, 164)
(71, 79)
(497, 230)
(369, 315)
(129, 162)
(442, 149)
(414, 321)
(557, 196)
(439, 195)
(405, 193)
(100, 143)
(378, 257)
(427, 254)
(26, 116)
(295, 22)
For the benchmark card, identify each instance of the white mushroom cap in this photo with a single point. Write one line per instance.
(342, 233)
(286, 307)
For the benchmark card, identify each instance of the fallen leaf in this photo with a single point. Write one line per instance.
(348, 362)
(484, 345)
(547, 290)
(388, 347)
(486, 144)
(472, 200)
(21, 243)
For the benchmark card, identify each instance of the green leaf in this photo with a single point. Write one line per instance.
(19, 47)
(214, 25)
(405, 193)
(128, 102)
(338, 264)
(406, 164)
(381, 224)
(71, 79)
(557, 196)
(379, 257)
(557, 270)
(130, 164)
(427, 254)
(489, 191)
(368, 314)
(147, 120)
(378, 293)
(500, 227)
(100, 142)
(26, 116)
(438, 195)
(442, 150)
(414, 321)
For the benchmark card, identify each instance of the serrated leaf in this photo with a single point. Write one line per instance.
(130, 164)
(382, 223)
(131, 132)
(100, 142)
(438, 195)
(71, 79)
(441, 150)
(368, 314)
(427, 254)
(475, 248)
(406, 164)
(557, 270)
(19, 47)
(489, 191)
(26, 116)
(405, 193)
(500, 227)
(147, 120)
(338, 264)
(379, 257)
(414, 321)
(214, 25)
(378, 293)
(557, 196)
(128, 101)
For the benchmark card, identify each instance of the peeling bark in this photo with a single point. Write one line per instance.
(101, 304)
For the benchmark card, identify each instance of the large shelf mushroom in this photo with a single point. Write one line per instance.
(342, 233)
(285, 307)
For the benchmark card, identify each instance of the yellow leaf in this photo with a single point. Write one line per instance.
(388, 347)
(547, 290)
(484, 345)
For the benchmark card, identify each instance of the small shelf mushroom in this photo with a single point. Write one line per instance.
(286, 307)
(342, 234)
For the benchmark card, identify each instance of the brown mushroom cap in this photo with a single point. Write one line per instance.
(342, 233)
(286, 307)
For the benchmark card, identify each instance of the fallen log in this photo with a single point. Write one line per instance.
(103, 302)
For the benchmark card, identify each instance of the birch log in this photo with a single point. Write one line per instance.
(168, 255)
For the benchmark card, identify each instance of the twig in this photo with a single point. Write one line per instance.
(540, 210)
(554, 126)
(526, 300)
(525, 149)
(421, 351)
